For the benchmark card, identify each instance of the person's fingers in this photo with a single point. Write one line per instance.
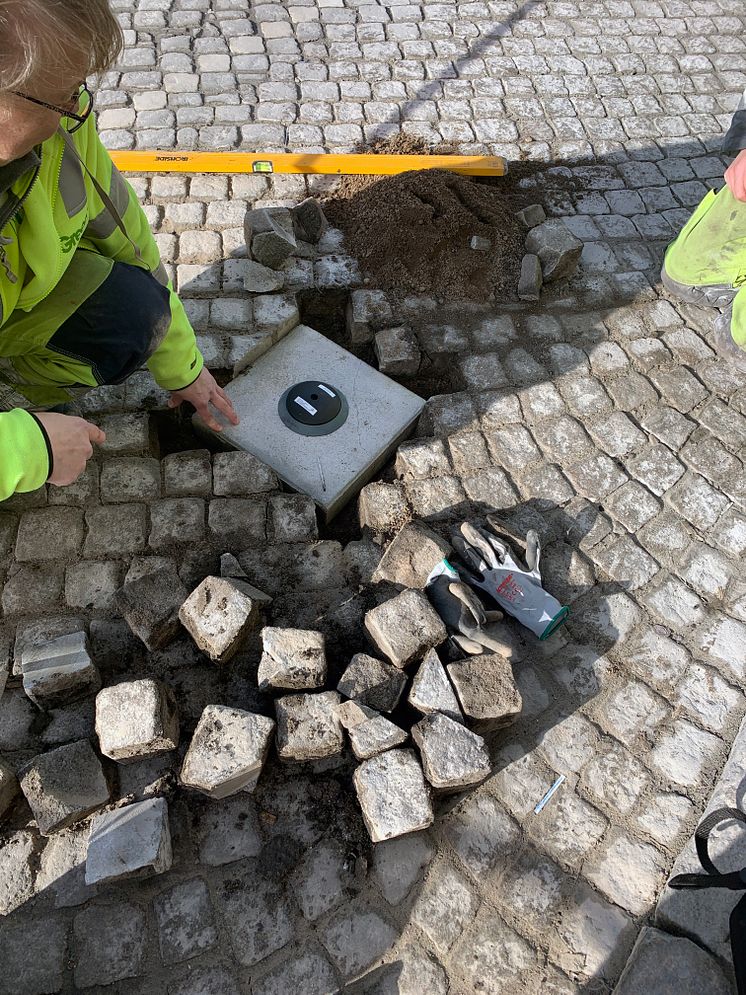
(203, 410)
(174, 402)
(95, 434)
(223, 404)
(88, 452)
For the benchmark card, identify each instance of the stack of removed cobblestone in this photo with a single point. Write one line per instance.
(552, 252)
(370, 708)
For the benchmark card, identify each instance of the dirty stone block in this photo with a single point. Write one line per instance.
(110, 942)
(483, 835)
(631, 710)
(452, 756)
(214, 980)
(238, 474)
(275, 315)
(116, 530)
(219, 615)
(176, 521)
(187, 474)
(569, 743)
(69, 723)
(308, 727)
(487, 691)
(150, 606)
(705, 695)
(412, 556)
(185, 921)
(260, 279)
(676, 605)
(16, 874)
(133, 841)
(309, 217)
(723, 643)
(270, 235)
(293, 518)
(8, 788)
(531, 279)
(360, 559)
(308, 972)
(141, 566)
(665, 817)
(627, 563)
(431, 690)
(592, 938)
(81, 492)
(532, 215)
(42, 972)
(336, 272)
(685, 753)
(405, 627)
(237, 522)
(323, 879)
(227, 751)
(397, 351)
(59, 671)
(383, 507)
(93, 584)
(370, 733)
(422, 458)
(393, 795)
(131, 478)
(446, 904)
(228, 830)
(256, 916)
(629, 873)
(50, 534)
(357, 937)
(633, 506)
(557, 248)
(616, 778)
(568, 827)
(367, 310)
(292, 658)
(670, 965)
(372, 682)
(493, 957)
(64, 786)
(398, 864)
(131, 433)
(18, 719)
(136, 719)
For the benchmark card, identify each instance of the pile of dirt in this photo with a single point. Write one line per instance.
(411, 233)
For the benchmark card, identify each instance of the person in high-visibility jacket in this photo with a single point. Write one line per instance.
(706, 264)
(84, 297)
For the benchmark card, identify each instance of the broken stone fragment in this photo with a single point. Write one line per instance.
(292, 658)
(309, 218)
(259, 279)
(479, 244)
(150, 606)
(487, 691)
(8, 788)
(269, 233)
(532, 215)
(227, 752)
(431, 690)
(219, 615)
(308, 727)
(557, 248)
(64, 786)
(412, 556)
(136, 719)
(370, 732)
(383, 507)
(405, 627)
(133, 841)
(393, 795)
(59, 671)
(367, 310)
(452, 756)
(530, 281)
(372, 682)
(232, 569)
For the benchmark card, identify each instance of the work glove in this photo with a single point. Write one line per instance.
(464, 615)
(492, 567)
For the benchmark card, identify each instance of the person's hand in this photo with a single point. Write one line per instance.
(203, 393)
(72, 440)
(735, 176)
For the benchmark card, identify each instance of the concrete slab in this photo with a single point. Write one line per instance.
(329, 468)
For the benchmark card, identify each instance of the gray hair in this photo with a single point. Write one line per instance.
(35, 33)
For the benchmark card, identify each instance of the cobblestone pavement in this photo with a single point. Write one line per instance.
(604, 410)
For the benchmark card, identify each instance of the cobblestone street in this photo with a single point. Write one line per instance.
(602, 416)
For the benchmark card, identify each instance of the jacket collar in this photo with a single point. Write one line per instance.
(15, 170)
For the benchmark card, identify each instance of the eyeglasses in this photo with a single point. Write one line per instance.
(65, 112)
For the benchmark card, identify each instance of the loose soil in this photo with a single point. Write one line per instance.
(410, 233)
